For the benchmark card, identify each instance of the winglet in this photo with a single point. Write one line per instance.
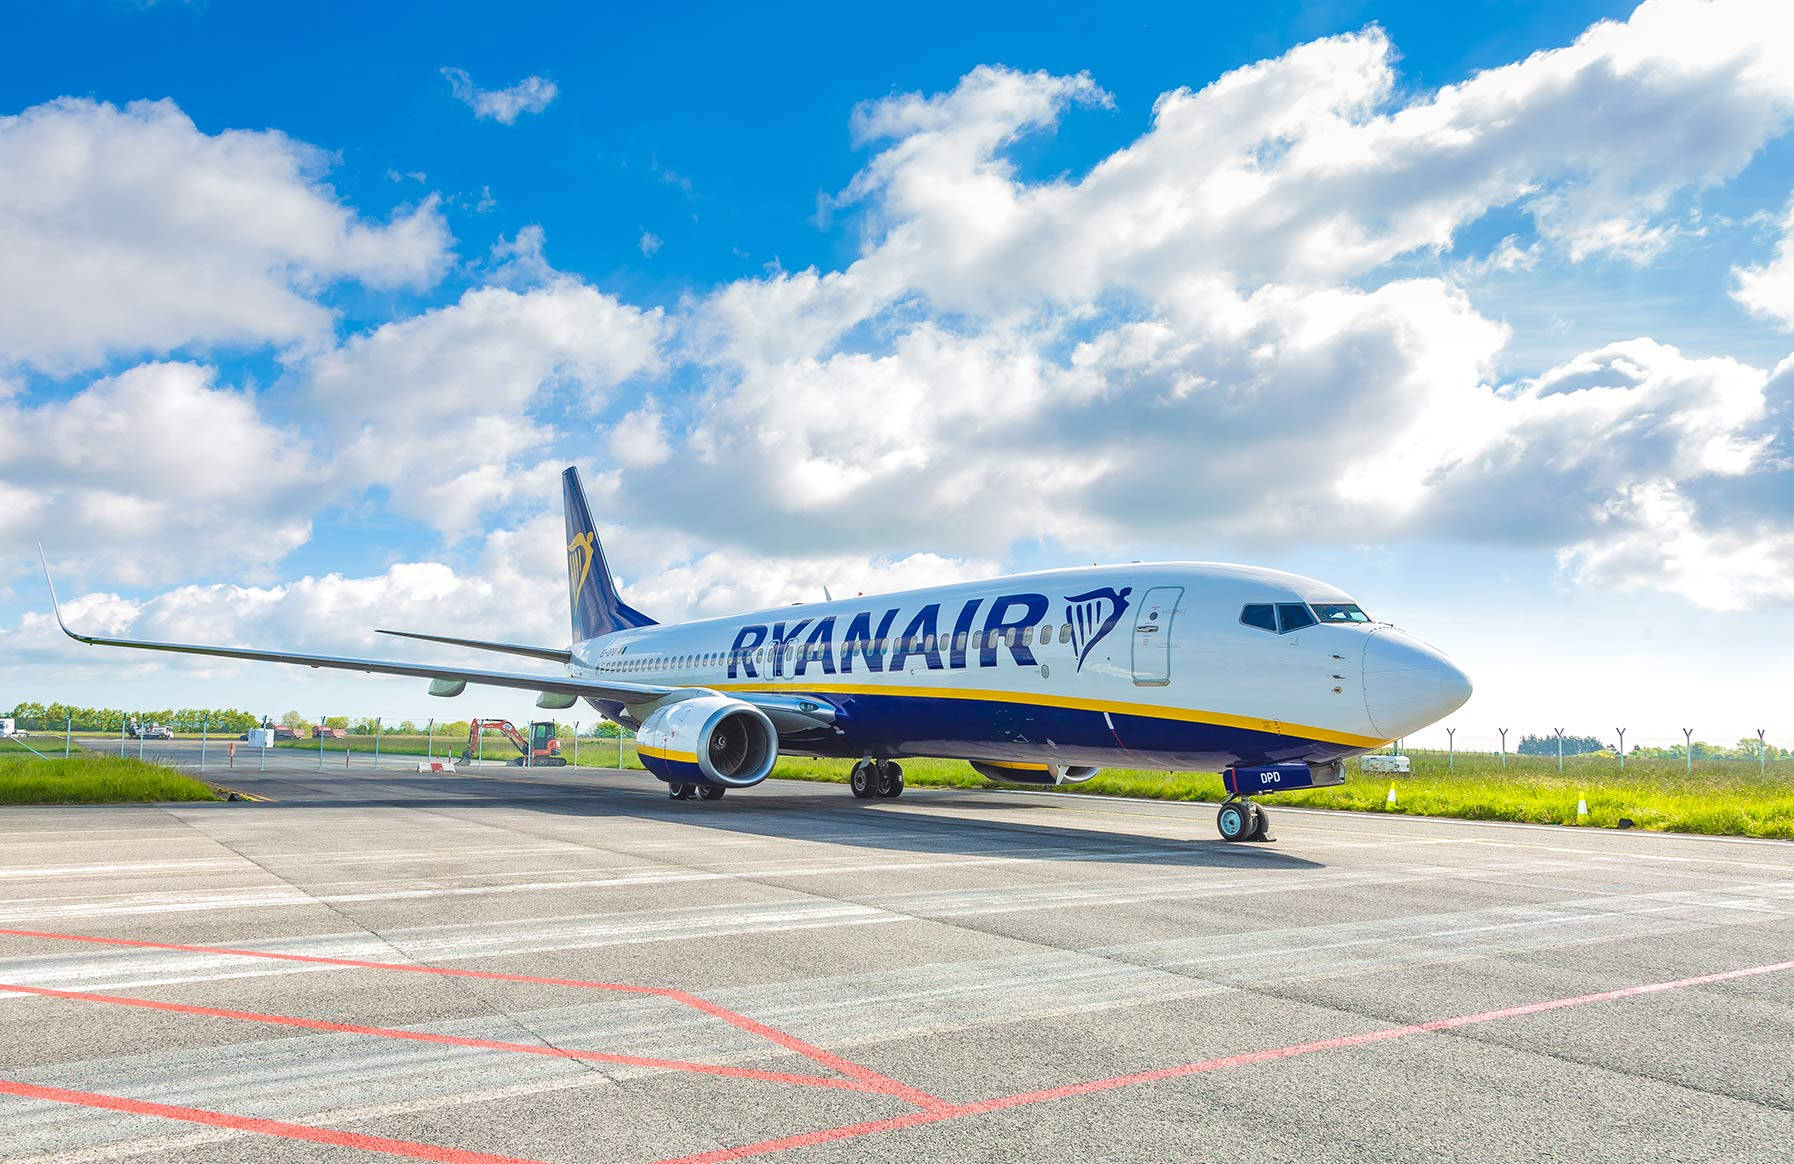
(55, 606)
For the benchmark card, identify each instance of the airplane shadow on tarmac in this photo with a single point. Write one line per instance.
(1003, 826)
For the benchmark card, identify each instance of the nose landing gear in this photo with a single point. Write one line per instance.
(1242, 820)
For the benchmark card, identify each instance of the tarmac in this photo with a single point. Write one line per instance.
(565, 965)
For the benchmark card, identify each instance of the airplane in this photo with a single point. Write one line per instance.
(1041, 678)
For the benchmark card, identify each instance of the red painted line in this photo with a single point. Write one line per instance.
(1023, 1099)
(872, 1080)
(278, 1128)
(447, 1040)
(866, 1075)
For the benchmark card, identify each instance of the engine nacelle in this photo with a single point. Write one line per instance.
(708, 739)
(1043, 774)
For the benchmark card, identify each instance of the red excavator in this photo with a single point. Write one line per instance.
(541, 750)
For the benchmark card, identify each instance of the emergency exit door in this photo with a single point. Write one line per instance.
(1152, 636)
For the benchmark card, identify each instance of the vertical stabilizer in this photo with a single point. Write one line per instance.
(596, 608)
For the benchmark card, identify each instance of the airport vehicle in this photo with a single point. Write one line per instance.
(150, 731)
(541, 750)
(1036, 678)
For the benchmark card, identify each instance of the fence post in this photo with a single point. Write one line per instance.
(1503, 732)
(1451, 747)
(121, 737)
(320, 743)
(205, 726)
(1559, 732)
(1762, 754)
(480, 761)
(619, 747)
(1688, 750)
(68, 728)
(576, 743)
(430, 747)
(140, 737)
(376, 741)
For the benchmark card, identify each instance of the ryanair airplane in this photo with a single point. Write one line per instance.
(1043, 678)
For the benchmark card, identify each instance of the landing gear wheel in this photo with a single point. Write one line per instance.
(1237, 820)
(710, 792)
(864, 780)
(1262, 830)
(890, 779)
(682, 791)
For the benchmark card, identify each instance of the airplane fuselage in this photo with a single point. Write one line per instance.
(1168, 666)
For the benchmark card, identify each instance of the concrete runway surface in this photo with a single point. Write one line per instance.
(564, 965)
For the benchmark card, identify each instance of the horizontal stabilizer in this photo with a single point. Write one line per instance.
(552, 654)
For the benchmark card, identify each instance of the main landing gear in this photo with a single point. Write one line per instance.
(695, 791)
(1241, 820)
(876, 778)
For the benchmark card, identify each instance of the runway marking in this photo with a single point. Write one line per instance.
(1245, 1059)
(450, 1040)
(279, 1128)
(874, 1081)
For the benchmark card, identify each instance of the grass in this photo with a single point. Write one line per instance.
(93, 779)
(45, 744)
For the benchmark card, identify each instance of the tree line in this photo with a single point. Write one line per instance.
(1748, 748)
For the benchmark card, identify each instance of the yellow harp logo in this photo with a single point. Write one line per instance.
(579, 563)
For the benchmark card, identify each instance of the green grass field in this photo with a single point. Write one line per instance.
(92, 779)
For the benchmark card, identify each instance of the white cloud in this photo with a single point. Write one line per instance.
(650, 243)
(127, 231)
(1768, 289)
(154, 474)
(530, 95)
(452, 410)
(1011, 360)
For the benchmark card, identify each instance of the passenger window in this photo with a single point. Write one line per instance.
(959, 641)
(1065, 633)
(1293, 616)
(1260, 615)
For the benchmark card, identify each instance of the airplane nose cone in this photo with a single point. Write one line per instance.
(1408, 684)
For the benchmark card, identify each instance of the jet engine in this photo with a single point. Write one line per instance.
(708, 739)
(1044, 774)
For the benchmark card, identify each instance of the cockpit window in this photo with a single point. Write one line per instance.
(1260, 615)
(1292, 616)
(1339, 612)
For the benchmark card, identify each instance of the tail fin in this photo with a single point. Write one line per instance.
(596, 608)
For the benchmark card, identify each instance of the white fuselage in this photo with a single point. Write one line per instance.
(1149, 665)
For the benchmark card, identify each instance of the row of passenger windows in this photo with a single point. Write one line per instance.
(920, 643)
(1280, 618)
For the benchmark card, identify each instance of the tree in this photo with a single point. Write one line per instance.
(294, 720)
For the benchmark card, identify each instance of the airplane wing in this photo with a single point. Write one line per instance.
(606, 689)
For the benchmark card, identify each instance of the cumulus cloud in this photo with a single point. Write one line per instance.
(530, 95)
(129, 230)
(1011, 360)
(445, 409)
(1767, 289)
(153, 474)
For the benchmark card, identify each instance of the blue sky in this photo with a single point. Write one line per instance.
(874, 299)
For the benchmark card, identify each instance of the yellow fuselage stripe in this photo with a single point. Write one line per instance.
(1153, 711)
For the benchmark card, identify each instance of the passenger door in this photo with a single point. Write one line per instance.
(1152, 636)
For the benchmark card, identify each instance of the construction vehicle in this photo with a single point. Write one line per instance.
(541, 750)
